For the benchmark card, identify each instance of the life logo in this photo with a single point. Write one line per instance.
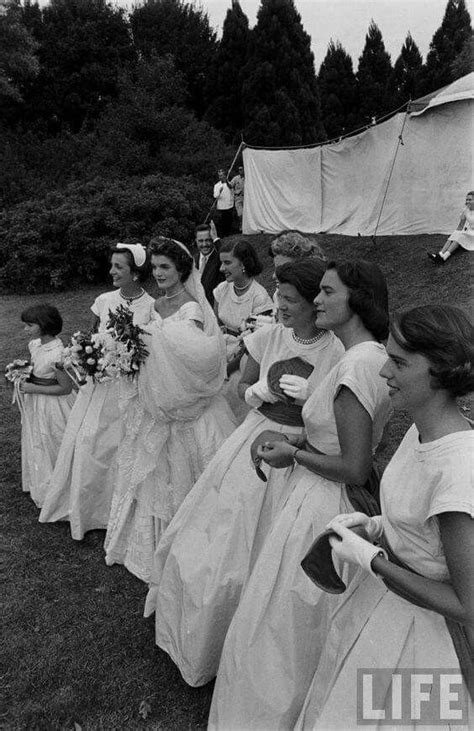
(412, 696)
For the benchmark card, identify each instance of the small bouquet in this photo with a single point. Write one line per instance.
(104, 356)
(18, 370)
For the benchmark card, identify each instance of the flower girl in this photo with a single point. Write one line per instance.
(45, 399)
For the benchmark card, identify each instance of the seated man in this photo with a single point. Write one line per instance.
(207, 259)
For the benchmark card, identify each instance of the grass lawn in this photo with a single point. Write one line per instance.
(76, 650)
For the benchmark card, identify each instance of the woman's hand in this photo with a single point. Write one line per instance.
(259, 392)
(348, 546)
(277, 454)
(213, 230)
(26, 387)
(372, 527)
(294, 386)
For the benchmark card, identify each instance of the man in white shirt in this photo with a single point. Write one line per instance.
(224, 198)
(238, 184)
(207, 259)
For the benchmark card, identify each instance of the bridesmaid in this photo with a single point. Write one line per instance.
(83, 479)
(421, 587)
(274, 639)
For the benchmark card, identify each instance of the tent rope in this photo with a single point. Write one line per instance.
(400, 142)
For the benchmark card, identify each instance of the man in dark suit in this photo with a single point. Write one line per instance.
(207, 259)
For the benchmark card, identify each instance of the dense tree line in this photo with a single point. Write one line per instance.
(93, 99)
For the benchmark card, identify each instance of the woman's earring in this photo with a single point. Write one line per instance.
(135, 279)
(243, 270)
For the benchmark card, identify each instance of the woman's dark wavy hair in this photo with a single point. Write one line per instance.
(162, 246)
(245, 253)
(444, 335)
(46, 316)
(142, 272)
(304, 275)
(368, 296)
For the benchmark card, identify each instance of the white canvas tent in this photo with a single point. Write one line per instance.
(408, 175)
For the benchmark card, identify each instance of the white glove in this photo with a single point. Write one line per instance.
(295, 387)
(352, 548)
(258, 392)
(372, 526)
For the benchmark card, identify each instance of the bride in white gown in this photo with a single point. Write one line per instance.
(179, 418)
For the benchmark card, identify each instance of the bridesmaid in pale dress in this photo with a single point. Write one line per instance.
(236, 299)
(178, 419)
(411, 604)
(83, 480)
(463, 236)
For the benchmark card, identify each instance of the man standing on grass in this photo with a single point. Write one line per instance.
(224, 199)
(207, 259)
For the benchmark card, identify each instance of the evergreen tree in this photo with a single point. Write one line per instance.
(18, 61)
(225, 81)
(337, 88)
(280, 98)
(464, 63)
(373, 76)
(83, 45)
(446, 45)
(406, 72)
(178, 28)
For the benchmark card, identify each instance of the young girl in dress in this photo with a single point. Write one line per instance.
(274, 639)
(411, 603)
(234, 301)
(83, 480)
(463, 236)
(178, 419)
(47, 400)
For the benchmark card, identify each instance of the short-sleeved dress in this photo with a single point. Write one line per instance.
(233, 310)
(83, 480)
(465, 237)
(275, 637)
(173, 429)
(43, 422)
(371, 627)
(207, 553)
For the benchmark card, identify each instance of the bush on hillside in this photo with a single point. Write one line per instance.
(64, 238)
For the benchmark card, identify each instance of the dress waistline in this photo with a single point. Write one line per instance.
(286, 414)
(42, 381)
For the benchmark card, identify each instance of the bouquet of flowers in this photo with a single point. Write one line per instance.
(18, 370)
(104, 356)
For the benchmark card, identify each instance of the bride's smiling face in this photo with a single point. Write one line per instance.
(165, 272)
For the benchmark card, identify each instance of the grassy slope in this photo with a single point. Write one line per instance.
(76, 649)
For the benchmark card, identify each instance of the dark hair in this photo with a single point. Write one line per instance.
(304, 275)
(202, 227)
(245, 253)
(46, 316)
(143, 271)
(368, 296)
(162, 246)
(296, 245)
(444, 335)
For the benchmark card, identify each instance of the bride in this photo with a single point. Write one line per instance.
(179, 419)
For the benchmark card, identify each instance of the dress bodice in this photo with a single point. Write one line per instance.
(142, 307)
(358, 370)
(469, 224)
(44, 357)
(233, 309)
(420, 482)
(188, 311)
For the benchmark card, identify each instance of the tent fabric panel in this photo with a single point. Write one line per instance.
(282, 190)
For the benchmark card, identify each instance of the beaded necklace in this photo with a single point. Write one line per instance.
(308, 341)
(129, 300)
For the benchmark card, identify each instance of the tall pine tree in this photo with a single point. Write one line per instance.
(373, 77)
(18, 62)
(447, 43)
(280, 98)
(225, 80)
(337, 88)
(181, 29)
(405, 79)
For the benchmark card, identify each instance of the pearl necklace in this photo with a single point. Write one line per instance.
(308, 341)
(170, 296)
(241, 289)
(129, 300)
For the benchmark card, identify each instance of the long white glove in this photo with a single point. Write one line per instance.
(259, 392)
(352, 548)
(295, 387)
(372, 526)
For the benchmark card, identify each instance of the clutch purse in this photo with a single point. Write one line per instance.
(319, 566)
(292, 366)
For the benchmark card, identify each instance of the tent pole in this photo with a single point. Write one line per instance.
(232, 165)
(400, 142)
